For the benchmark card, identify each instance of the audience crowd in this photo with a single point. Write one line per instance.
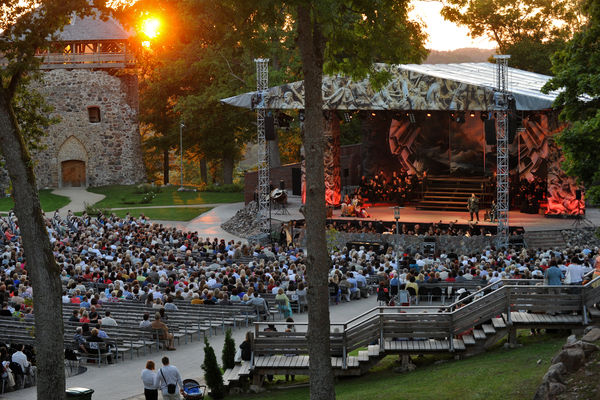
(111, 259)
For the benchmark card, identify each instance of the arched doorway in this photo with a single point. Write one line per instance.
(73, 173)
(72, 163)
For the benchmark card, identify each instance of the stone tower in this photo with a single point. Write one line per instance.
(88, 77)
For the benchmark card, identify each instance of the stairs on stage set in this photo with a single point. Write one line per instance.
(451, 193)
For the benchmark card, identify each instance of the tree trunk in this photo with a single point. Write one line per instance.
(166, 166)
(203, 171)
(41, 265)
(228, 169)
(311, 43)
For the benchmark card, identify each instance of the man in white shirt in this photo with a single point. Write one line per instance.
(169, 375)
(108, 320)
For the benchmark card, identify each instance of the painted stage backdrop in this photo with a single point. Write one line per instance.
(406, 90)
(446, 144)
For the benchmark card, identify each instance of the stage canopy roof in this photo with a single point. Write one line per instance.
(445, 87)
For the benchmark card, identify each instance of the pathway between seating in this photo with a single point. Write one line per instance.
(122, 380)
(79, 199)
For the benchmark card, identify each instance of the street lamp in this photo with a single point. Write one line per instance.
(181, 126)
(397, 217)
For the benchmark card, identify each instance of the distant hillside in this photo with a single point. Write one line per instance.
(459, 56)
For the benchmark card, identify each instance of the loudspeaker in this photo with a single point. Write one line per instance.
(490, 131)
(269, 127)
(513, 124)
(577, 194)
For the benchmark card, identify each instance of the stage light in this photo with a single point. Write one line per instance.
(373, 114)
(472, 114)
(483, 115)
(460, 117)
(428, 115)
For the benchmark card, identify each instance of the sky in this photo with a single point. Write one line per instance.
(444, 35)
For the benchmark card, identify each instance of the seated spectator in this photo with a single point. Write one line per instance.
(108, 320)
(163, 329)
(145, 322)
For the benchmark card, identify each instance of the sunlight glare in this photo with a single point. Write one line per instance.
(150, 27)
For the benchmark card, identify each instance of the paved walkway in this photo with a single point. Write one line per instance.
(79, 199)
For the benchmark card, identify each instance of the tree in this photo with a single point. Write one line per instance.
(228, 356)
(212, 372)
(576, 69)
(25, 30)
(529, 30)
(207, 58)
(347, 37)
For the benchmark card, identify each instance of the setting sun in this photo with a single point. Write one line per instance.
(150, 27)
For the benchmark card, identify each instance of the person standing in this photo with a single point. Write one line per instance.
(473, 206)
(149, 381)
(167, 379)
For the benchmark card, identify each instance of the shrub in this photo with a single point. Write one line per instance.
(93, 211)
(228, 356)
(212, 373)
(146, 188)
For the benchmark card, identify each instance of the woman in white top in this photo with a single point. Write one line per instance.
(148, 378)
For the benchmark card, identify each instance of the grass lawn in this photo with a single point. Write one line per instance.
(118, 196)
(498, 374)
(50, 202)
(164, 214)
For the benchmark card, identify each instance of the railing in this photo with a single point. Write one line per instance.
(434, 322)
(72, 60)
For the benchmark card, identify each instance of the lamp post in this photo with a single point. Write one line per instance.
(181, 126)
(397, 217)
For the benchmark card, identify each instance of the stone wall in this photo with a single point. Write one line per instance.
(415, 244)
(111, 148)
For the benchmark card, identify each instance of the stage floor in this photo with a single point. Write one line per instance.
(531, 222)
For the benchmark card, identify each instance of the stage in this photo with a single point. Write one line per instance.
(530, 222)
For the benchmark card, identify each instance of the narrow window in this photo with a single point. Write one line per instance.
(94, 114)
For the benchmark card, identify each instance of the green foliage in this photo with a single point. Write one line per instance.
(49, 201)
(212, 373)
(228, 188)
(155, 214)
(350, 131)
(93, 210)
(529, 30)
(119, 196)
(576, 69)
(33, 114)
(147, 188)
(228, 356)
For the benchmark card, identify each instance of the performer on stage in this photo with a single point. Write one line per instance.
(493, 209)
(473, 206)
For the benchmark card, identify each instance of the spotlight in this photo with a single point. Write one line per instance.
(472, 114)
(428, 115)
(373, 114)
(483, 115)
(460, 117)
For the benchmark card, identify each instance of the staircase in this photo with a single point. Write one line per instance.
(462, 330)
(451, 193)
(544, 240)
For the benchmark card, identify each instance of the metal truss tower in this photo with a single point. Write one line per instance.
(501, 100)
(262, 84)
